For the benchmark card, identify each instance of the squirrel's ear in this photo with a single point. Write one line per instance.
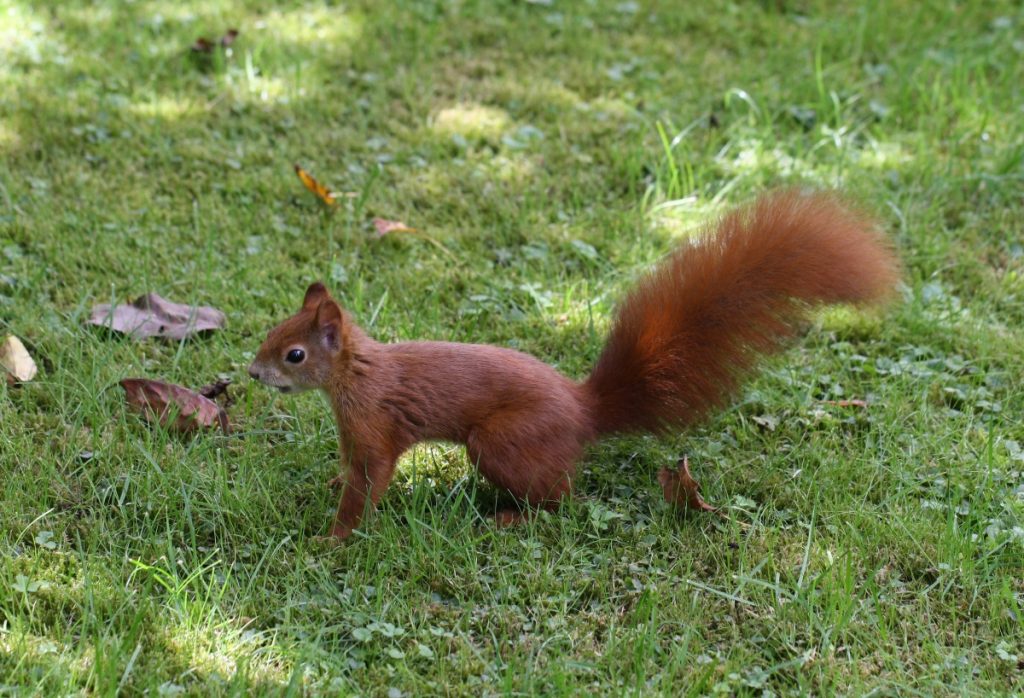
(328, 323)
(314, 295)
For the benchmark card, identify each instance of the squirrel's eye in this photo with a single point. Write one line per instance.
(295, 356)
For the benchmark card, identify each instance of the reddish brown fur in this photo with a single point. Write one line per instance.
(681, 343)
(688, 334)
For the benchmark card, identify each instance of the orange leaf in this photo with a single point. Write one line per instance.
(314, 186)
(160, 402)
(384, 226)
(681, 489)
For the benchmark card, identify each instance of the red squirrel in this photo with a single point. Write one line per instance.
(680, 344)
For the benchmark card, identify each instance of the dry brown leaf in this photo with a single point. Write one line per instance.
(321, 192)
(229, 38)
(216, 389)
(16, 361)
(153, 316)
(384, 226)
(204, 45)
(681, 489)
(173, 406)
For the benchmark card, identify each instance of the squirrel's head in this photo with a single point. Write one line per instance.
(298, 354)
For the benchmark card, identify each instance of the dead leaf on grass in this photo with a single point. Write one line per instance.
(681, 489)
(173, 406)
(16, 361)
(229, 38)
(216, 389)
(384, 226)
(320, 191)
(153, 316)
(204, 45)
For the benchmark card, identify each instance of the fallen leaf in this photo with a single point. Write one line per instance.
(153, 316)
(314, 186)
(847, 403)
(17, 363)
(384, 226)
(202, 45)
(681, 489)
(216, 389)
(229, 38)
(173, 406)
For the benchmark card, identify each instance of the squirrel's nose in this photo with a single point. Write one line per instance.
(253, 373)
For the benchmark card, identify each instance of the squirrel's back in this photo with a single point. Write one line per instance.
(685, 337)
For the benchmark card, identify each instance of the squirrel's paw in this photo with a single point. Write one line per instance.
(509, 517)
(329, 541)
(337, 482)
(336, 537)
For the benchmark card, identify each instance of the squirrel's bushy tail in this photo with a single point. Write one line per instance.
(687, 335)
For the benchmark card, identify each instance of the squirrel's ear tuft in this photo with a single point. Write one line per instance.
(328, 323)
(314, 294)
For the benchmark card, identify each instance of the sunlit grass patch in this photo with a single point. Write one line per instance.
(311, 26)
(470, 121)
(9, 138)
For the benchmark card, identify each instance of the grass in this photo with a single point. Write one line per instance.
(555, 150)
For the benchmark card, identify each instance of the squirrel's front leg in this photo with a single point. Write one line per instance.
(368, 476)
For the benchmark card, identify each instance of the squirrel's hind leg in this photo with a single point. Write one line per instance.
(537, 471)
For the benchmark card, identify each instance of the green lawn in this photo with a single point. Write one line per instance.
(552, 150)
